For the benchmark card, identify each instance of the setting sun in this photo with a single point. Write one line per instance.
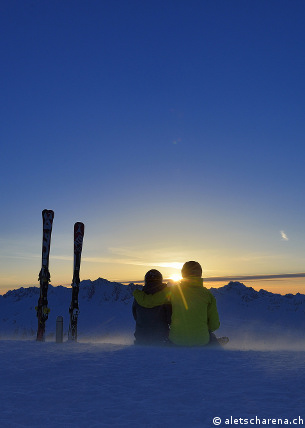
(175, 277)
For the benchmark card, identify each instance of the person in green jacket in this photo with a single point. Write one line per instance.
(194, 309)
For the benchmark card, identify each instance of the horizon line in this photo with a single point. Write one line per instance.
(207, 279)
(237, 277)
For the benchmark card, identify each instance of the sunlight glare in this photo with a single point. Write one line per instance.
(176, 277)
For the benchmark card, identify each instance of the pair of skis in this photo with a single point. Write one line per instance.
(44, 276)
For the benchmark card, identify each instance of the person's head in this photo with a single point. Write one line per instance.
(153, 281)
(191, 269)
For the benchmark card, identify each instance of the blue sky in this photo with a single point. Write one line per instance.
(174, 130)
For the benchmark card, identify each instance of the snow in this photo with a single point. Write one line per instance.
(104, 380)
(119, 385)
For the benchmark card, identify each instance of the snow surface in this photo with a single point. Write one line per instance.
(119, 385)
(104, 380)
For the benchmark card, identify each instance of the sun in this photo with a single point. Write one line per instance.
(175, 277)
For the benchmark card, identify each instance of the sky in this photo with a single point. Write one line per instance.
(173, 129)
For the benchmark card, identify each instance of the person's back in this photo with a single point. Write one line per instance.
(194, 310)
(152, 324)
(194, 313)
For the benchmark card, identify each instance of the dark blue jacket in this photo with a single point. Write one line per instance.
(152, 325)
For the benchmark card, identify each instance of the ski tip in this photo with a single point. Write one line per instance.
(79, 226)
(47, 213)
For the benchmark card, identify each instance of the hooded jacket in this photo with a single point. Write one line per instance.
(194, 311)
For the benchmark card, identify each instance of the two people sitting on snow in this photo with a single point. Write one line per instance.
(193, 315)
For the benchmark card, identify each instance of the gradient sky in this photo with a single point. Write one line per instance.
(175, 130)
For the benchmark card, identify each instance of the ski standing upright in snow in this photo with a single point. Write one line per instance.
(79, 229)
(44, 275)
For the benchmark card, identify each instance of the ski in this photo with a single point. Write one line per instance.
(79, 230)
(44, 275)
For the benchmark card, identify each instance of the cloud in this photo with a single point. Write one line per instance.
(255, 277)
(174, 265)
(284, 236)
(150, 257)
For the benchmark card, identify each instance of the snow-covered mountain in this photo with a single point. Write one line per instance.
(105, 312)
(104, 309)
(260, 318)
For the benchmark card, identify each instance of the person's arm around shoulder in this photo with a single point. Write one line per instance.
(213, 317)
(152, 300)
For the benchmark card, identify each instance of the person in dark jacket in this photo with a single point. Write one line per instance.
(152, 324)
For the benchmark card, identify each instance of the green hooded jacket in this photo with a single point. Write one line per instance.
(194, 311)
